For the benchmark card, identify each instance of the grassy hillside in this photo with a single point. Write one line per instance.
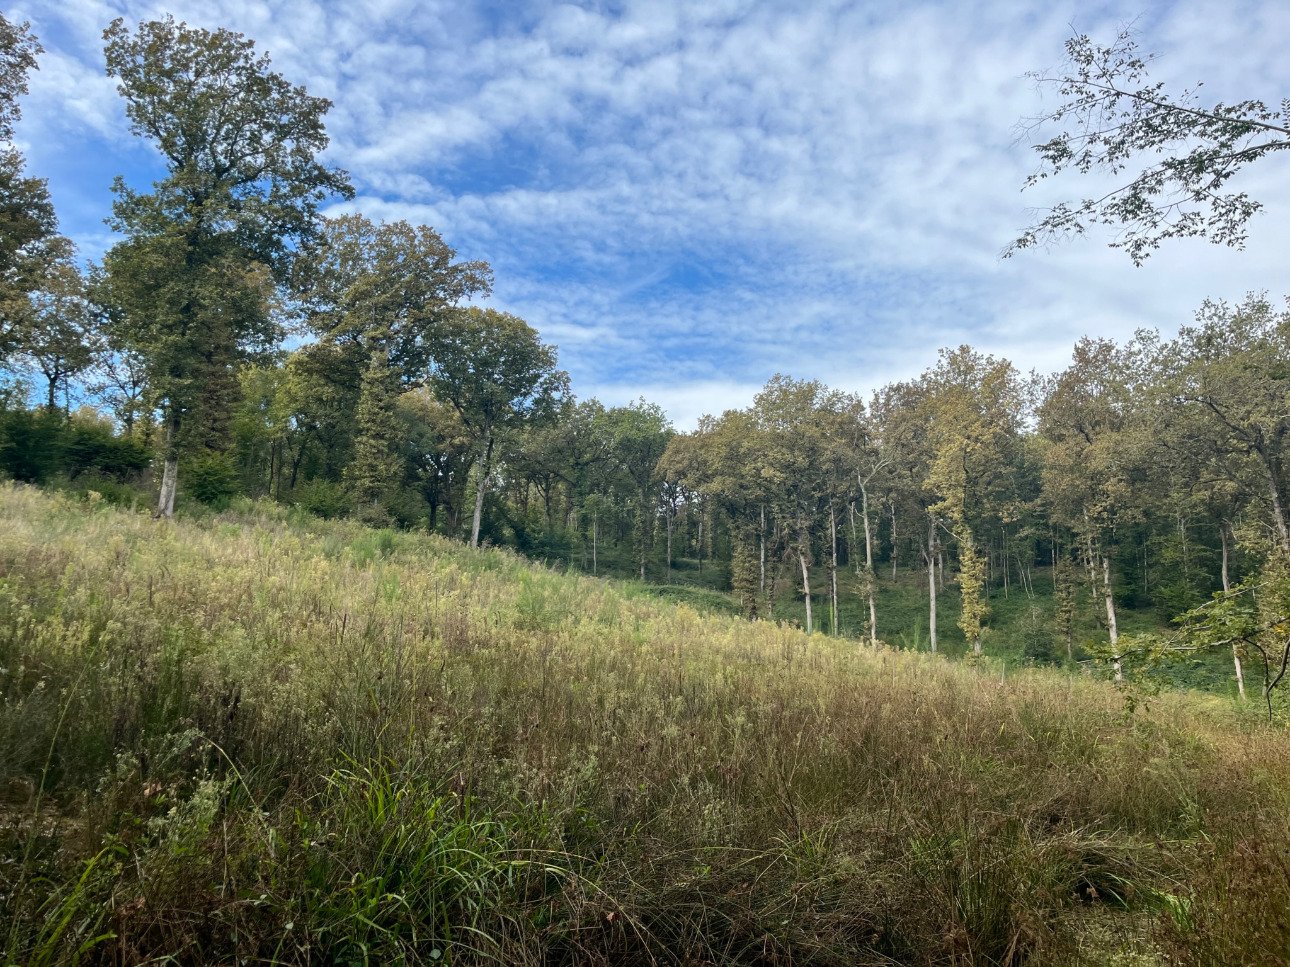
(260, 739)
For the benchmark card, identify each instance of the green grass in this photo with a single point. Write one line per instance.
(256, 737)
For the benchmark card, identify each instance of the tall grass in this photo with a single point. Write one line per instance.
(290, 741)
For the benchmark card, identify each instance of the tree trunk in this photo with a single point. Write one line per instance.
(1278, 515)
(1227, 589)
(481, 486)
(833, 572)
(669, 547)
(1111, 626)
(931, 583)
(806, 588)
(761, 535)
(893, 542)
(595, 523)
(170, 473)
(868, 564)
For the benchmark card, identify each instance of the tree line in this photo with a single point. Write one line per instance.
(234, 340)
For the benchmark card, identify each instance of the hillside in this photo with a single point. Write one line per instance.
(264, 738)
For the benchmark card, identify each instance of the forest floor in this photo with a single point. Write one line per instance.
(256, 737)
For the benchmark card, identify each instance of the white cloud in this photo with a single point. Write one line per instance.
(691, 197)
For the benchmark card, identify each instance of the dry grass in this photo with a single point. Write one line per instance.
(274, 740)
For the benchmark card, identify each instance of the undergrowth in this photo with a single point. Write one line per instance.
(263, 738)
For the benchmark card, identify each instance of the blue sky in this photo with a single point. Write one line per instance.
(689, 198)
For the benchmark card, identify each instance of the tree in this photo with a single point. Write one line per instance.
(496, 373)
(120, 380)
(902, 417)
(29, 240)
(1093, 431)
(1232, 368)
(796, 422)
(56, 334)
(1114, 119)
(975, 403)
(637, 436)
(384, 287)
(377, 291)
(193, 282)
(377, 467)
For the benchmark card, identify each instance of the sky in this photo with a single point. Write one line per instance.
(688, 198)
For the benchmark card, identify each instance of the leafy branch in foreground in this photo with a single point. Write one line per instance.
(1252, 617)
(1112, 116)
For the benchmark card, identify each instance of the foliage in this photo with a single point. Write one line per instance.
(1112, 116)
(192, 286)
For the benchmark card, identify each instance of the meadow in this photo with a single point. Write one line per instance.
(256, 737)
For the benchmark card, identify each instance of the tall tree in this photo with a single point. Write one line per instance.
(1232, 368)
(29, 241)
(637, 436)
(378, 291)
(975, 403)
(1093, 428)
(496, 373)
(902, 416)
(56, 334)
(193, 280)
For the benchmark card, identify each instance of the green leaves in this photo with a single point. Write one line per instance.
(240, 143)
(1111, 117)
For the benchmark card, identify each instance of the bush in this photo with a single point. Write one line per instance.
(211, 478)
(91, 447)
(322, 498)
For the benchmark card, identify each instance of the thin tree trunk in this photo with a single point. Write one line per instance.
(761, 536)
(931, 583)
(806, 588)
(1111, 627)
(893, 541)
(669, 547)
(868, 564)
(481, 486)
(1278, 515)
(1227, 589)
(833, 572)
(595, 523)
(170, 473)
(1005, 565)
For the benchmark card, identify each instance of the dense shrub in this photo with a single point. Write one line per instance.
(38, 445)
(211, 478)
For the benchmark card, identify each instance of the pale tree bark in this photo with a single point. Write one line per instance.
(931, 582)
(868, 563)
(481, 487)
(1111, 627)
(1223, 526)
(806, 588)
(833, 572)
(170, 471)
(893, 541)
(803, 547)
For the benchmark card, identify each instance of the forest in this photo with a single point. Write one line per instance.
(336, 628)
(237, 342)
